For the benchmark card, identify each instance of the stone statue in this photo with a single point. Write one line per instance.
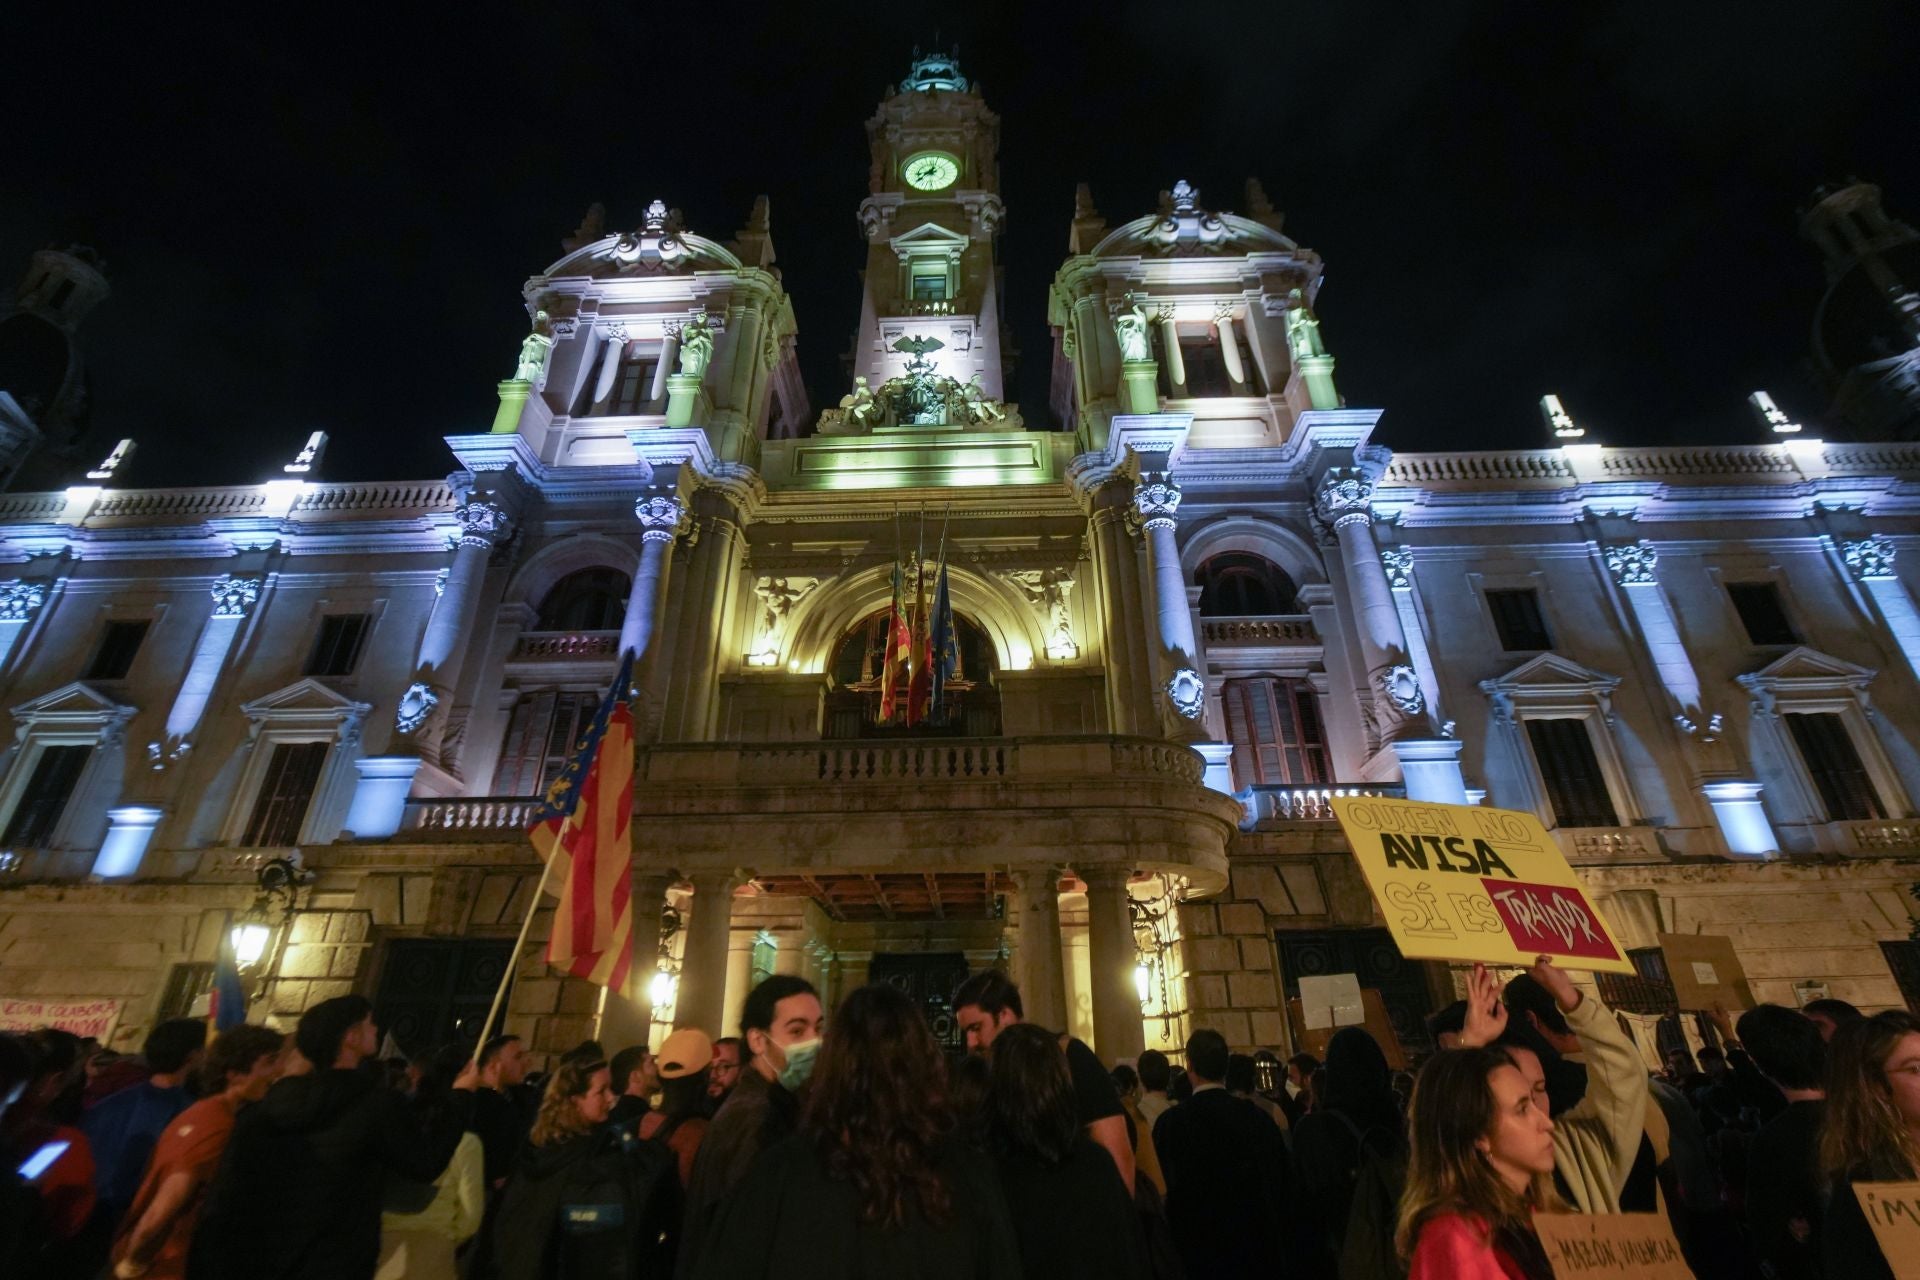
(979, 405)
(592, 227)
(1130, 328)
(696, 346)
(1046, 590)
(860, 408)
(534, 349)
(1303, 328)
(1083, 202)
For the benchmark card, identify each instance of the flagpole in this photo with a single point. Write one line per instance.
(519, 943)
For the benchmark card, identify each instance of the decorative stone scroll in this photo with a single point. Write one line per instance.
(1870, 558)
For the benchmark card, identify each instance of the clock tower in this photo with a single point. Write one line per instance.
(932, 290)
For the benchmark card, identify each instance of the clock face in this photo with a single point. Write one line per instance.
(930, 171)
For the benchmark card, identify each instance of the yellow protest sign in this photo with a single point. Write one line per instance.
(1459, 882)
(1640, 1245)
(1893, 1211)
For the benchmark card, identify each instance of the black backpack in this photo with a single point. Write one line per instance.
(612, 1214)
(1373, 1216)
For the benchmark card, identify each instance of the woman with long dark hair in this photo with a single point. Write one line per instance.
(876, 1183)
(1354, 1115)
(1871, 1131)
(1071, 1213)
(1481, 1166)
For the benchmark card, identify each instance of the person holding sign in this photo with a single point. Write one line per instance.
(1871, 1132)
(1481, 1167)
(1595, 1138)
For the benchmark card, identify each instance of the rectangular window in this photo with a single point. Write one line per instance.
(1517, 618)
(280, 809)
(118, 645)
(633, 384)
(336, 650)
(1274, 726)
(542, 735)
(1576, 789)
(1761, 612)
(55, 774)
(1838, 774)
(929, 284)
(1206, 367)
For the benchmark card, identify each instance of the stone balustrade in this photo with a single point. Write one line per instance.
(1279, 629)
(1882, 837)
(565, 646)
(1598, 846)
(1268, 803)
(464, 817)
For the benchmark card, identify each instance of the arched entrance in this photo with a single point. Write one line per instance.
(853, 693)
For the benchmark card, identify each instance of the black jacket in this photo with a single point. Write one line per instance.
(790, 1220)
(299, 1190)
(1073, 1220)
(1226, 1170)
(757, 1114)
(604, 1206)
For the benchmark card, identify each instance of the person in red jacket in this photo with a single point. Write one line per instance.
(1481, 1167)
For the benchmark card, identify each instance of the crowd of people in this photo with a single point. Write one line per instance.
(858, 1147)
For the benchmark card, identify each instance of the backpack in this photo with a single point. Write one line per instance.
(1367, 1252)
(611, 1214)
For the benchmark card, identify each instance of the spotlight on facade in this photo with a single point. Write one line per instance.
(309, 456)
(1562, 423)
(113, 462)
(249, 939)
(661, 990)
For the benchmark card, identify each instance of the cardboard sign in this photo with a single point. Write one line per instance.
(1611, 1244)
(84, 1018)
(1375, 1021)
(1893, 1211)
(1331, 1001)
(1459, 882)
(1705, 971)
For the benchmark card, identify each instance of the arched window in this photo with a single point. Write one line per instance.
(853, 700)
(587, 600)
(1238, 584)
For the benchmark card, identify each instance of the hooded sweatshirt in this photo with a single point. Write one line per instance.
(299, 1192)
(602, 1204)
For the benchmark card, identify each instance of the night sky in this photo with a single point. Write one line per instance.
(322, 221)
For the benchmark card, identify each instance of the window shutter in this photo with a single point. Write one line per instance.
(55, 774)
(1576, 789)
(1838, 773)
(280, 808)
(518, 773)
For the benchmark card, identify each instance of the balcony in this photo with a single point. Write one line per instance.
(566, 646)
(1270, 804)
(1279, 631)
(1609, 846)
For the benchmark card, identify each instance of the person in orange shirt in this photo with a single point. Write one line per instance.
(158, 1229)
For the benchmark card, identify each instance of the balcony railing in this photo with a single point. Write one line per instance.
(1882, 836)
(1276, 802)
(470, 815)
(565, 646)
(1280, 629)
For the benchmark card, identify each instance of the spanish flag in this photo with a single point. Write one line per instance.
(586, 819)
(895, 659)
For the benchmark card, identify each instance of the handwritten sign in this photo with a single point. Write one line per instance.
(1375, 1021)
(1893, 1211)
(1459, 882)
(1705, 972)
(1331, 1000)
(83, 1018)
(1611, 1244)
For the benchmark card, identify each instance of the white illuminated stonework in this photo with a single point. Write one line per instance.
(1194, 600)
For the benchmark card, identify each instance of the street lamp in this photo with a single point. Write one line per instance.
(249, 938)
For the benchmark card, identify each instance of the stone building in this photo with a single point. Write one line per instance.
(316, 717)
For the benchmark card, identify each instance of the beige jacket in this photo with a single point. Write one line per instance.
(1594, 1142)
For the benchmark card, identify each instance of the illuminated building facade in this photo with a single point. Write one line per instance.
(1201, 602)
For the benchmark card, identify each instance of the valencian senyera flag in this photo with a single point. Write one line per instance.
(894, 673)
(586, 821)
(945, 648)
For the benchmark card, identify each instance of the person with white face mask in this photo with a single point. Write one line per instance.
(781, 1024)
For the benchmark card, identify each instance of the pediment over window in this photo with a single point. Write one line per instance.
(1552, 682)
(1809, 669)
(929, 236)
(76, 702)
(307, 702)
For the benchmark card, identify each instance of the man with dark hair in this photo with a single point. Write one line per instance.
(1155, 1075)
(781, 1023)
(123, 1127)
(725, 1071)
(988, 1002)
(299, 1192)
(1226, 1171)
(1295, 1097)
(637, 1078)
(242, 1064)
(501, 1119)
(1784, 1192)
(1446, 1025)
(1830, 1015)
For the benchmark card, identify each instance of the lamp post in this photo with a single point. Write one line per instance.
(277, 888)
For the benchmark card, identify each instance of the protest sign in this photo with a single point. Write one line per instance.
(1893, 1211)
(1331, 1000)
(84, 1018)
(1459, 882)
(1705, 972)
(1611, 1244)
(1375, 1021)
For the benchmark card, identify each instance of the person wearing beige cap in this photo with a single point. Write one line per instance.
(681, 1122)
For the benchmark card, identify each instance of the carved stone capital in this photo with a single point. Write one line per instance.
(1399, 566)
(482, 523)
(1632, 563)
(1345, 496)
(18, 600)
(234, 597)
(1157, 498)
(1870, 558)
(661, 517)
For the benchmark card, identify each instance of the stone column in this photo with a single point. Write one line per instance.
(233, 600)
(706, 607)
(703, 965)
(1118, 1032)
(669, 349)
(1176, 361)
(1041, 974)
(1129, 666)
(1344, 501)
(609, 366)
(1158, 500)
(627, 1016)
(661, 517)
(513, 401)
(1229, 347)
(1870, 561)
